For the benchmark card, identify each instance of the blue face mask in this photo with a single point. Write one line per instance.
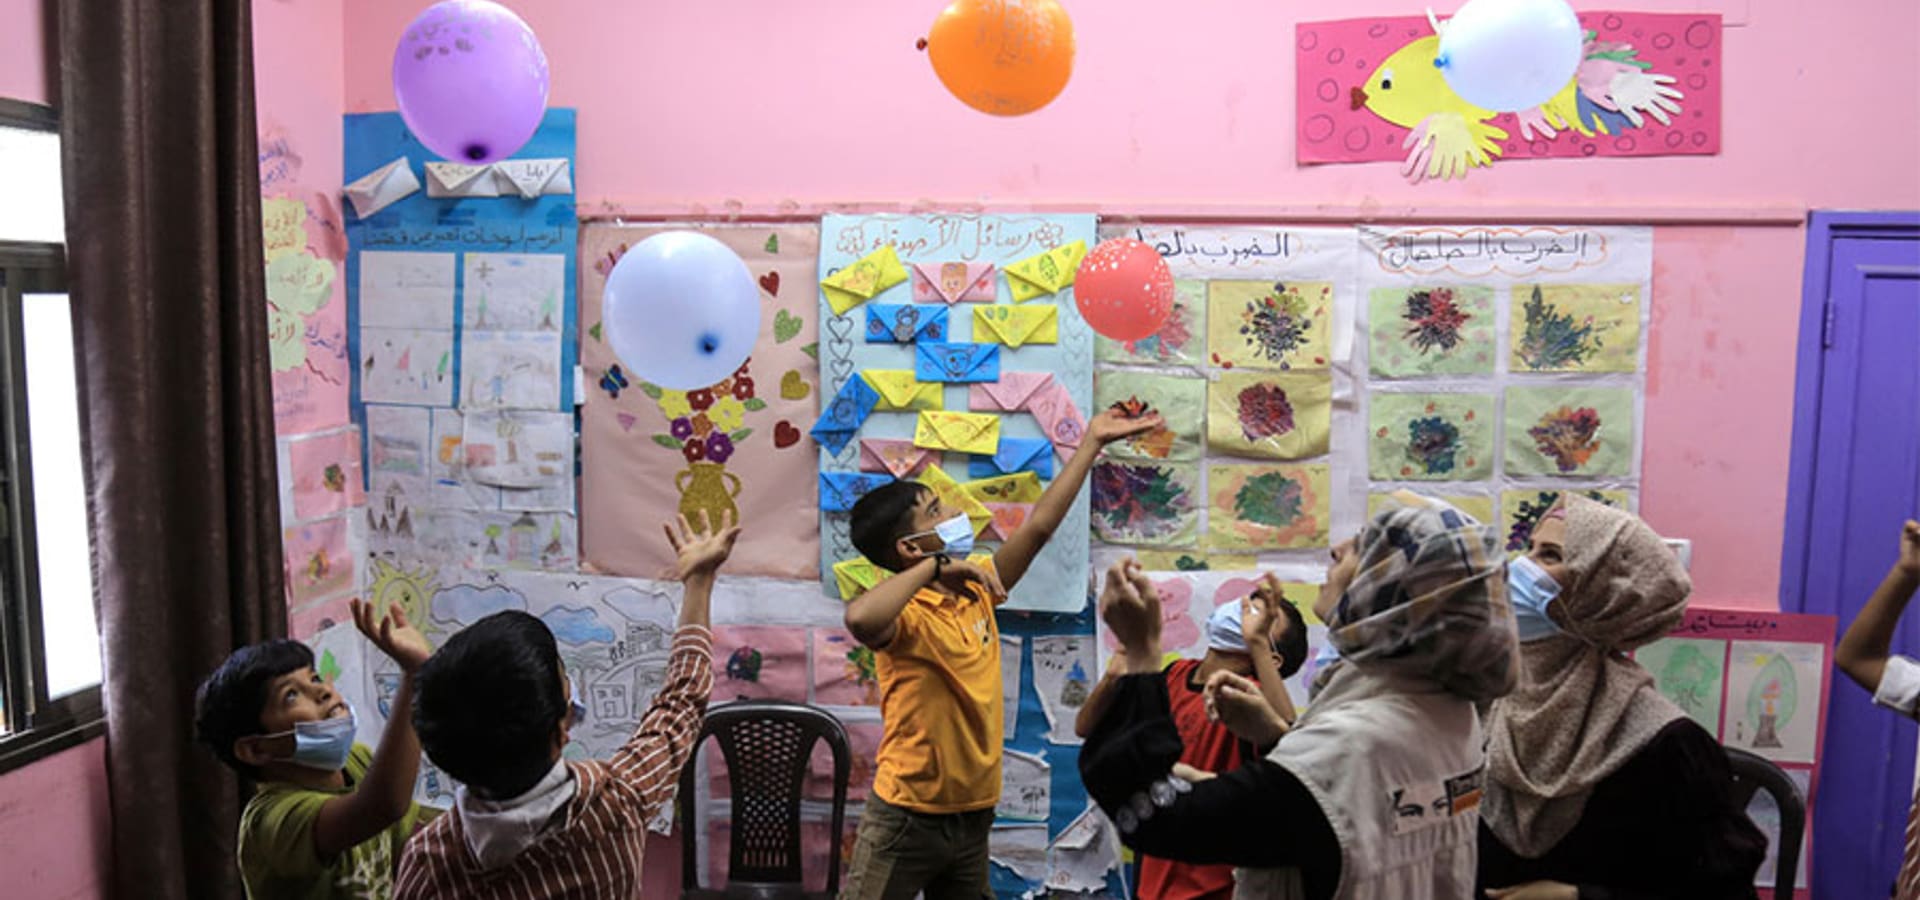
(1326, 657)
(955, 534)
(1529, 590)
(325, 744)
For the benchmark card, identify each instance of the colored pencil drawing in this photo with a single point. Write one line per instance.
(1431, 330)
(1177, 343)
(1152, 504)
(1521, 510)
(1430, 437)
(1773, 690)
(1576, 328)
(1269, 325)
(752, 662)
(1271, 416)
(1267, 507)
(1569, 432)
(1689, 672)
(1180, 402)
(843, 670)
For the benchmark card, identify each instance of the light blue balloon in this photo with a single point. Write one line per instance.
(681, 310)
(1510, 55)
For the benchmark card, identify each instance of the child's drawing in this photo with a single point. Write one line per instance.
(319, 560)
(1689, 672)
(753, 662)
(510, 370)
(1151, 504)
(1430, 330)
(844, 671)
(1569, 431)
(1270, 416)
(1062, 664)
(1267, 507)
(1773, 689)
(514, 292)
(1576, 328)
(1180, 402)
(407, 366)
(1269, 325)
(1430, 437)
(1521, 510)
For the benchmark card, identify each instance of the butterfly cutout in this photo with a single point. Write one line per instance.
(613, 381)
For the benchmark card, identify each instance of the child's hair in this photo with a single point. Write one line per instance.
(227, 705)
(881, 519)
(487, 702)
(1292, 646)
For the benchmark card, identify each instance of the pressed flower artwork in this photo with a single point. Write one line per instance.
(1180, 342)
(1180, 402)
(1430, 330)
(1575, 328)
(1269, 325)
(1267, 507)
(1429, 437)
(1569, 432)
(1150, 504)
(1270, 416)
(1521, 510)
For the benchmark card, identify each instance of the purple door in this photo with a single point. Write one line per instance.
(1855, 477)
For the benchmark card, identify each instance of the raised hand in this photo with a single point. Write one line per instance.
(1110, 426)
(958, 573)
(701, 550)
(1130, 607)
(1910, 548)
(1237, 703)
(401, 642)
(1257, 612)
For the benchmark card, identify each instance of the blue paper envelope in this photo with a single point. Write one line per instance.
(956, 363)
(1015, 455)
(905, 323)
(842, 417)
(839, 490)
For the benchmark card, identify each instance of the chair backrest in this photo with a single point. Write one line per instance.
(767, 746)
(1752, 773)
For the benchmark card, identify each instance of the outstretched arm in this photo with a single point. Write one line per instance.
(1863, 650)
(1017, 553)
(385, 792)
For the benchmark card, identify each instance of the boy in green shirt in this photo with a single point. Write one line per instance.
(329, 817)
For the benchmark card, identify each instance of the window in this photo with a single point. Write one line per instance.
(49, 641)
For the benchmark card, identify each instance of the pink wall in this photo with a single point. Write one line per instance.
(23, 55)
(54, 839)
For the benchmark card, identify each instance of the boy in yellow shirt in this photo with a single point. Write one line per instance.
(937, 649)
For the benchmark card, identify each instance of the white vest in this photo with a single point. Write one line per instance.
(1396, 765)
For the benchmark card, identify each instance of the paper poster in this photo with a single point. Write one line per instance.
(1430, 330)
(1364, 84)
(1058, 577)
(752, 662)
(397, 442)
(1080, 858)
(1180, 629)
(1479, 506)
(1149, 504)
(738, 448)
(526, 455)
(1010, 647)
(1572, 432)
(1575, 328)
(1063, 675)
(1521, 510)
(1020, 849)
(513, 291)
(1270, 416)
(1267, 507)
(1430, 437)
(325, 471)
(306, 315)
(863, 748)
(1180, 402)
(1269, 325)
(1180, 342)
(319, 560)
(1690, 672)
(1026, 787)
(1772, 699)
(447, 466)
(509, 370)
(406, 365)
(843, 670)
(401, 289)
(304, 622)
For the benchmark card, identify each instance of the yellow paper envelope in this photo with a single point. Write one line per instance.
(856, 576)
(901, 392)
(953, 496)
(1015, 326)
(1038, 276)
(863, 280)
(965, 432)
(1020, 487)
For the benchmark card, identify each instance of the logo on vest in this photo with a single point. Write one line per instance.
(1427, 804)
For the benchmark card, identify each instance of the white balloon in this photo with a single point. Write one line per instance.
(681, 310)
(1510, 55)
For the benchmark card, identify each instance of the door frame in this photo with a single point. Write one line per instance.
(1816, 311)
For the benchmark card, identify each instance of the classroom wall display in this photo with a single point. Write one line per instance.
(1648, 85)
(1012, 366)
(1757, 681)
(736, 448)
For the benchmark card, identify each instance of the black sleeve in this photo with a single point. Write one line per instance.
(1136, 744)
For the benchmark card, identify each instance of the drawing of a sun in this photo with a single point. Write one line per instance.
(412, 589)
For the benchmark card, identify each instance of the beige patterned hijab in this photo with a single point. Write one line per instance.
(1583, 709)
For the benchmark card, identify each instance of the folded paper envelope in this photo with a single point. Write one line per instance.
(953, 282)
(1047, 273)
(1022, 488)
(900, 391)
(856, 576)
(844, 414)
(905, 323)
(1059, 418)
(1015, 455)
(1007, 519)
(450, 179)
(839, 490)
(863, 279)
(382, 187)
(965, 432)
(956, 363)
(532, 178)
(901, 459)
(953, 496)
(1009, 394)
(1016, 326)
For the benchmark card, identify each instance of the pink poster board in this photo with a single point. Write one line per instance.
(754, 662)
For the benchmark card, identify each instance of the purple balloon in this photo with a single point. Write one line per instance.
(471, 80)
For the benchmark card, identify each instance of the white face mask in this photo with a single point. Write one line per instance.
(955, 534)
(1529, 590)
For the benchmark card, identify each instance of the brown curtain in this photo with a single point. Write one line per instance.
(169, 299)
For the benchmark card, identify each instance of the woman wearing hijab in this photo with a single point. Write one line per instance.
(1598, 786)
(1373, 792)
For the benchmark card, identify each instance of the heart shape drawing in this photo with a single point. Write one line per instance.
(770, 283)
(786, 326)
(785, 435)
(794, 387)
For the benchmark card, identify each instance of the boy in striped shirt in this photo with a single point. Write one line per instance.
(493, 710)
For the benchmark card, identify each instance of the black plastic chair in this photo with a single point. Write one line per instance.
(767, 746)
(1753, 773)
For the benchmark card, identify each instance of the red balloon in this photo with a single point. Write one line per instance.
(1124, 290)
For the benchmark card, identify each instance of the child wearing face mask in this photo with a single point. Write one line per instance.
(937, 653)
(328, 818)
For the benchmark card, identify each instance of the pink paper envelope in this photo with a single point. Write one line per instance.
(1007, 518)
(1012, 393)
(898, 458)
(1059, 418)
(953, 282)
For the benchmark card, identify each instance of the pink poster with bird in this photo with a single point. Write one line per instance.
(1368, 91)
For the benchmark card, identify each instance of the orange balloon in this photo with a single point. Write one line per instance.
(1004, 57)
